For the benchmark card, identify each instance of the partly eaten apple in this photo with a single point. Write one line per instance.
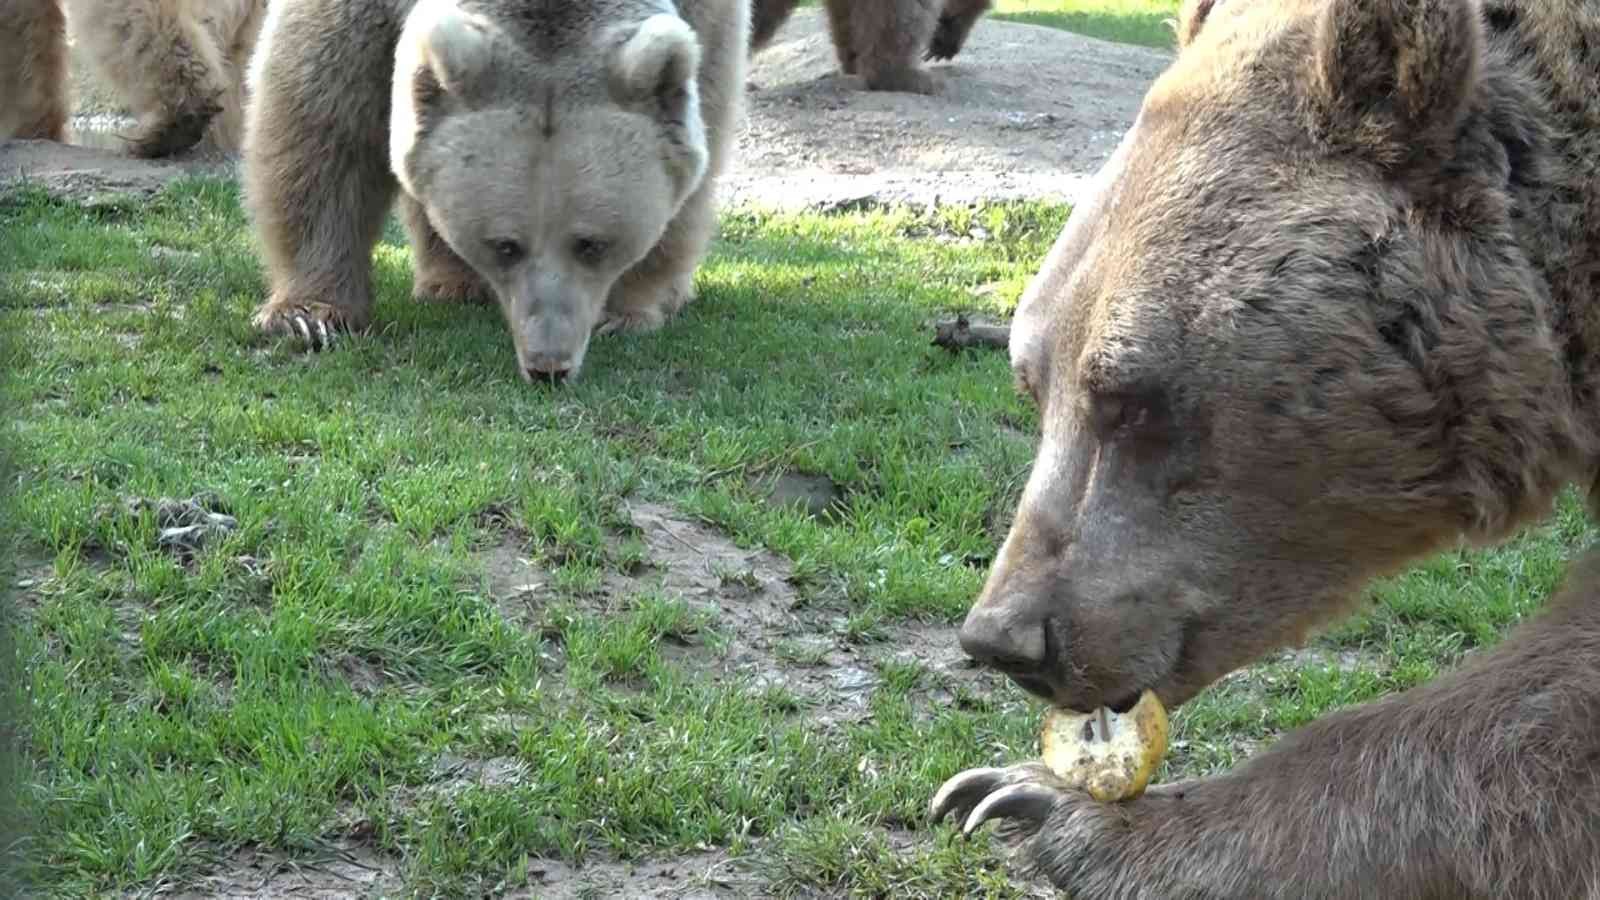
(1110, 755)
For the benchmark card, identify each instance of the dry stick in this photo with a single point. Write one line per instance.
(960, 334)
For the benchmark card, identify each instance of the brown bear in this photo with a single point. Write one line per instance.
(179, 65)
(881, 40)
(559, 155)
(1332, 306)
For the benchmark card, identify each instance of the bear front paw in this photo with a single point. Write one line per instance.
(1022, 794)
(313, 323)
(464, 289)
(947, 40)
(636, 322)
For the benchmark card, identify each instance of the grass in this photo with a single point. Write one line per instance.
(1126, 21)
(297, 684)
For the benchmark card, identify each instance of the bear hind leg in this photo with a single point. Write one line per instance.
(889, 37)
(839, 16)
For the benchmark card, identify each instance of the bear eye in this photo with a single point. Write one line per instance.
(590, 250)
(507, 251)
(1142, 413)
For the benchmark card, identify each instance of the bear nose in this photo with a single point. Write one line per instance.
(547, 369)
(553, 376)
(996, 639)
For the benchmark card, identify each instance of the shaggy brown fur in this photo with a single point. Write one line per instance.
(179, 65)
(557, 155)
(1330, 308)
(33, 70)
(881, 40)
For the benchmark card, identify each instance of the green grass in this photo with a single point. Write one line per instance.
(298, 684)
(1125, 21)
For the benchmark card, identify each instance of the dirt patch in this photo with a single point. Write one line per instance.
(770, 635)
(85, 173)
(1025, 111)
(342, 870)
(709, 875)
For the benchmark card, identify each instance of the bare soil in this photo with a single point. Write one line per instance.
(1024, 112)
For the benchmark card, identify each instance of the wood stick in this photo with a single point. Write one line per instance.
(960, 334)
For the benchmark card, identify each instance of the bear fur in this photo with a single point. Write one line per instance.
(1333, 306)
(178, 65)
(558, 155)
(33, 70)
(881, 40)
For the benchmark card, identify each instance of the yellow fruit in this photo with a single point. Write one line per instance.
(1110, 755)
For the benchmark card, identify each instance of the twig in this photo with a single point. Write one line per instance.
(961, 334)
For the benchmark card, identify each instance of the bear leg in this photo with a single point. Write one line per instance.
(839, 15)
(663, 282)
(161, 59)
(316, 175)
(438, 274)
(955, 23)
(766, 17)
(33, 70)
(889, 37)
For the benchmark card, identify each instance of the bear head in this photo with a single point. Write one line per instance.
(1291, 340)
(550, 171)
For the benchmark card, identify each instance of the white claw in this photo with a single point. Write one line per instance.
(1017, 801)
(302, 330)
(325, 334)
(979, 780)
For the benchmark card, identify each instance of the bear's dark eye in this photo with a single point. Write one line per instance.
(507, 251)
(1144, 413)
(590, 250)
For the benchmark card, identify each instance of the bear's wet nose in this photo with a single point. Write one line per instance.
(544, 369)
(547, 376)
(996, 639)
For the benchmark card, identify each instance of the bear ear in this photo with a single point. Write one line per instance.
(1191, 15)
(1395, 71)
(659, 60)
(452, 47)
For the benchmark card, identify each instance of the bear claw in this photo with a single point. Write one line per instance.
(317, 325)
(1025, 792)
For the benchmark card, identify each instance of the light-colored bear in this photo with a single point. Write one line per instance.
(560, 156)
(178, 65)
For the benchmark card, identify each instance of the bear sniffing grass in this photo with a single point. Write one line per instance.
(1334, 305)
(558, 155)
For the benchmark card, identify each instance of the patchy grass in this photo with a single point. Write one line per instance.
(1125, 21)
(436, 569)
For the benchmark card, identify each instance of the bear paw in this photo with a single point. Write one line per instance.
(947, 39)
(313, 323)
(1023, 795)
(635, 322)
(468, 290)
(903, 79)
